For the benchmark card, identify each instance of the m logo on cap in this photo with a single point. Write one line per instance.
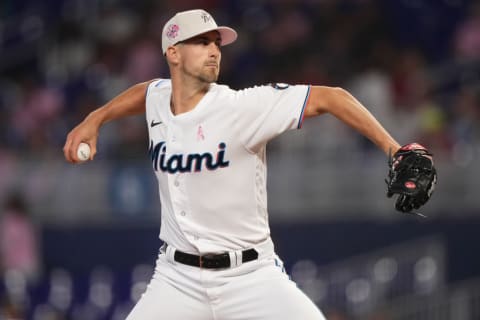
(206, 17)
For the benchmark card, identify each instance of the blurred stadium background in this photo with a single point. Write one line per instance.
(79, 242)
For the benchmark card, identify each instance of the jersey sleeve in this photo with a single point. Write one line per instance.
(267, 111)
(153, 85)
(152, 93)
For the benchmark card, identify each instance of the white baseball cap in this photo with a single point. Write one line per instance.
(188, 24)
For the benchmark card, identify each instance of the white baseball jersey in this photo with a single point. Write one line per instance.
(210, 162)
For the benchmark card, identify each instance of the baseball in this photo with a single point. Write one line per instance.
(83, 151)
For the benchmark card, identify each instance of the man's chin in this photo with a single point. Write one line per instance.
(210, 78)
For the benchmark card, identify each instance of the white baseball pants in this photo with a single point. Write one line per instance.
(255, 290)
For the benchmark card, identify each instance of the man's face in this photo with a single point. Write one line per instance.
(200, 56)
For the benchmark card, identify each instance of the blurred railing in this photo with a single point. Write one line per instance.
(403, 282)
(363, 284)
(458, 302)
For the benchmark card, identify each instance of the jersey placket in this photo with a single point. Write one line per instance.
(176, 180)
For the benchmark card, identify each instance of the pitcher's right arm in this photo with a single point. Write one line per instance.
(129, 102)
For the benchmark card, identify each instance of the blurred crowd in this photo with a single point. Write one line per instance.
(414, 64)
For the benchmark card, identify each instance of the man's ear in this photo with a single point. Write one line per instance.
(173, 55)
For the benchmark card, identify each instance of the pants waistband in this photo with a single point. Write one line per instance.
(223, 260)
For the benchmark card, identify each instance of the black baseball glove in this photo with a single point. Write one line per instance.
(412, 176)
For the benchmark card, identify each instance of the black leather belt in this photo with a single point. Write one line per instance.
(212, 261)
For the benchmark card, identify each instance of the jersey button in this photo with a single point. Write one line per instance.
(176, 183)
(183, 213)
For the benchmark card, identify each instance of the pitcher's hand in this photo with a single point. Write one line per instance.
(86, 131)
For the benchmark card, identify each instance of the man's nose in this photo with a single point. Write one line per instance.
(214, 50)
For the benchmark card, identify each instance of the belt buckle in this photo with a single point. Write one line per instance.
(203, 257)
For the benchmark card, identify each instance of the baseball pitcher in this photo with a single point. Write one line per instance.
(207, 147)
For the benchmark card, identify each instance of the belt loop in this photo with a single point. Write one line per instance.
(239, 257)
(233, 259)
(170, 253)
